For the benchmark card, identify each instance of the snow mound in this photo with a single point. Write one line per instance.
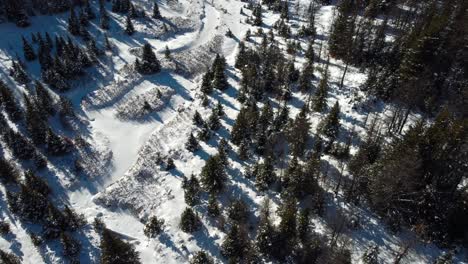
(138, 106)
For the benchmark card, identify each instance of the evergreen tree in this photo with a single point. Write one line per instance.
(319, 102)
(265, 174)
(32, 181)
(342, 30)
(304, 227)
(167, 52)
(257, 13)
(287, 227)
(8, 172)
(7, 100)
(9, 258)
(236, 245)
(213, 206)
(371, 256)
(213, 120)
(299, 133)
(129, 29)
(73, 23)
(116, 251)
(149, 62)
(197, 119)
(330, 126)
(153, 227)
(213, 174)
(28, 50)
(192, 143)
(206, 86)
(156, 13)
(189, 222)
(71, 247)
(201, 257)
(35, 124)
(44, 99)
(305, 78)
(191, 190)
(219, 77)
(266, 231)
(243, 150)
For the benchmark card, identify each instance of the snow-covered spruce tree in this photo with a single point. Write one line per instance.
(319, 101)
(205, 132)
(71, 247)
(265, 174)
(149, 63)
(213, 206)
(44, 99)
(28, 50)
(153, 227)
(9, 258)
(114, 250)
(189, 221)
(305, 78)
(299, 132)
(330, 126)
(238, 211)
(35, 124)
(236, 246)
(219, 77)
(73, 23)
(8, 172)
(33, 181)
(192, 190)
(213, 120)
(57, 145)
(170, 164)
(20, 147)
(257, 13)
(129, 29)
(342, 30)
(201, 257)
(371, 255)
(266, 231)
(192, 143)
(287, 236)
(213, 175)
(18, 73)
(7, 100)
(197, 119)
(156, 13)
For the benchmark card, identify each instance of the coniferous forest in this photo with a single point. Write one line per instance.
(234, 131)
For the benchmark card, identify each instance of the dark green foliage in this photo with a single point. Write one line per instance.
(213, 206)
(156, 13)
(201, 257)
(44, 99)
(4, 228)
(213, 175)
(129, 29)
(266, 233)
(7, 100)
(342, 30)
(57, 145)
(265, 174)
(71, 247)
(330, 126)
(19, 145)
(238, 211)
(299, 133)
(236, 245)
(192, 143)
(115, 251)
(18, 73)
(197, 119)
(153, 227)
(371, 256)
(219, 77)
(257, 13)
(33, 181)
(9, 258)
(149, 62)
(28, 50)
(8, 172)
(319, 102)
(191, 190)
(287, 237)
(189, 221)
(170, 164)
(214, 121)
